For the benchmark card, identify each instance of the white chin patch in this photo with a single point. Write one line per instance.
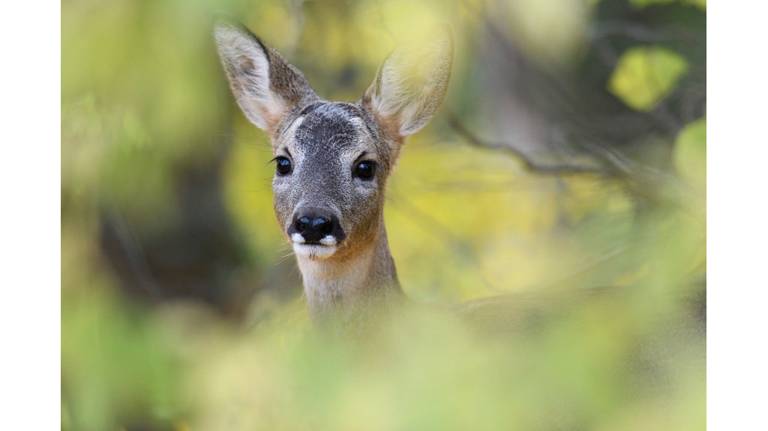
(328, 240)
(313, 251)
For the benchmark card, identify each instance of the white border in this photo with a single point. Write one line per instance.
(30, 161)
(737, 211)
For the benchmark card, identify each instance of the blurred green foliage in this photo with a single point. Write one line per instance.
(144, 103)
(644, 75)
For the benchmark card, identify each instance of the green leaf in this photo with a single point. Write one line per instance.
(643, 76)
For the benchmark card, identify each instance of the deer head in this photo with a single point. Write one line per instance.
(333, 158)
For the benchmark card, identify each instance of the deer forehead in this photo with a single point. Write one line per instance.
(327, 133)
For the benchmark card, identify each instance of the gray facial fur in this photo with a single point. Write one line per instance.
(324, 141)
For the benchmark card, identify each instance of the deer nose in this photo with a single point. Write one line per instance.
(314, 225)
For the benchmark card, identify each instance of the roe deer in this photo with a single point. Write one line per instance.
(332, 161)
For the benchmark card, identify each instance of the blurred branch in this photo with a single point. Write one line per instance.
(614, 165)
(529, 164)
(627, 29)
(124, 242)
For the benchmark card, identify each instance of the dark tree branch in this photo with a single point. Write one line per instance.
(531, 165)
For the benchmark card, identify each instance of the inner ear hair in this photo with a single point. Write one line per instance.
(410, 86)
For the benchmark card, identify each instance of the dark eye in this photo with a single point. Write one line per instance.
(365, 170)
(283, 165)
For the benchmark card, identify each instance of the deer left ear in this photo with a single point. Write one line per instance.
(410, 86)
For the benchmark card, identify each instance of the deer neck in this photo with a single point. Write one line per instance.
(348, 285)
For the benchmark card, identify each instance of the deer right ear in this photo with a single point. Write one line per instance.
(411, 85)
(265, 86)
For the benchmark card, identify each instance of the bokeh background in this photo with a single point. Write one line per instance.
(568, 158)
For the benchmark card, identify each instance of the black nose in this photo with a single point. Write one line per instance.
(314, 225)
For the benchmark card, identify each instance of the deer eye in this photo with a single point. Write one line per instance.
(364, 170)
(283, 165)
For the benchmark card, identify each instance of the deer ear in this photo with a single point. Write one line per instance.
(410, 86)
(265, 86)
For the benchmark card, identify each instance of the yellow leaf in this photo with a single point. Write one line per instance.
(643, 76)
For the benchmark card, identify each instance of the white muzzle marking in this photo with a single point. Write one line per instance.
(329, 240)
(325, 249)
